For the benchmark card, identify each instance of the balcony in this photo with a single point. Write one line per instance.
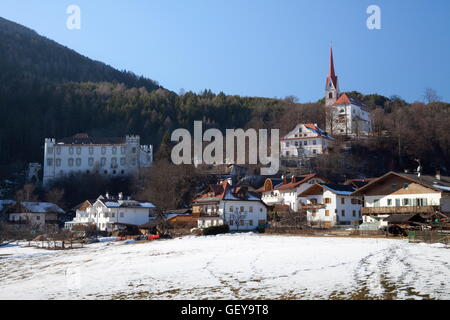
(313, 206)
(400, 210)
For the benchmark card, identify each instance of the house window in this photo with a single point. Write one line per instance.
(343, 213)
(58, 150)
(342, 200)
(327, 213)
(50, 162)
(133, 150)
(103, 161)
(397, 203)
(114, 161)
(242, 222)
(50, 150)
(354, 213)
(78, 161)
(114, 150)
(287, 144)
(376, 202)
(305, 143)
(406, 186)
(71, 150)
(113, 215)
(314, 151)
(242, 209)
(406, 202)
(314, 142)
(91, 150)
(78, 150)
(70, 162)
(389, 202)
(250, 209)
(122, 150)
(91, 162)
(250, 222)
(122, 214)
(38, 218)
(231, 222)
(103, 150)
(231, 209)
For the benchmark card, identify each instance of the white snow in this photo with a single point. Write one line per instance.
(241, 266)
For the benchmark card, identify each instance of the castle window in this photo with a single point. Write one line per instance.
(50, 162)
(70, 162)
(91, 150)
(78, 162)
(330, 95)
(103, 161)
(71, 150)
(114, 150)
(78, 150)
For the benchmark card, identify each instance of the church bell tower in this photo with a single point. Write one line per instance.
(332, 84)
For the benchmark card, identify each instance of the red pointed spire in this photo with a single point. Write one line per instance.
(332, 75)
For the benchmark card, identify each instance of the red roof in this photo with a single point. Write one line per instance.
(346, 99)
(297, 182)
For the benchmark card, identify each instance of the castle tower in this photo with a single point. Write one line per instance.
(332, 84)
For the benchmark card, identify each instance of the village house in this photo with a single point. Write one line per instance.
(224, 204)
(286, 192)
(305, 141)
(87, 155)
(106, 213)
(345, 114)
(404, 193)
(329, 205)
(36, 214)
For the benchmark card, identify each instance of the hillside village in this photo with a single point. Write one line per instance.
(297, 200)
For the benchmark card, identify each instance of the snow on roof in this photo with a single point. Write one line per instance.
(5, 203)
(112, 204)
(42, 207)
(339, 189)
(441, 187)
(147, 205)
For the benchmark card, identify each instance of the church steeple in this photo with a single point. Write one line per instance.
(332, 83)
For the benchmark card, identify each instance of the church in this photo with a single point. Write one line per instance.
(345, 114)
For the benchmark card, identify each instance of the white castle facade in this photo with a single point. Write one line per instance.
(82, 154)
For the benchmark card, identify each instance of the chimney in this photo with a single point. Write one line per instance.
(438, 175)
(294, 179)
(120, 195)
(107, 195)
(284, 179)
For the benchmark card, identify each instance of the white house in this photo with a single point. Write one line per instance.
(236, 206)
(305, 141)
(107, 211)
(40, 214)
(401, 193)
(345, 114)
(88, 155)
(328, 205)
(286, 192)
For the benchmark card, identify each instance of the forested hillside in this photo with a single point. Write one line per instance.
(47, 90)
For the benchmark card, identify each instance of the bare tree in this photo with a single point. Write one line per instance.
(431, 95)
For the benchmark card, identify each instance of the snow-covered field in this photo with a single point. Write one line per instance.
(244, 266)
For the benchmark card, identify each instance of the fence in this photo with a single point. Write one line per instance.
(429, 236)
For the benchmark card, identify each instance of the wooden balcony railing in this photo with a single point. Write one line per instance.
(400, 210)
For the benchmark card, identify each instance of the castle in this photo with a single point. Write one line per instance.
(105, 156)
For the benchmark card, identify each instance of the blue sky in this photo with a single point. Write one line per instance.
(269, 48)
